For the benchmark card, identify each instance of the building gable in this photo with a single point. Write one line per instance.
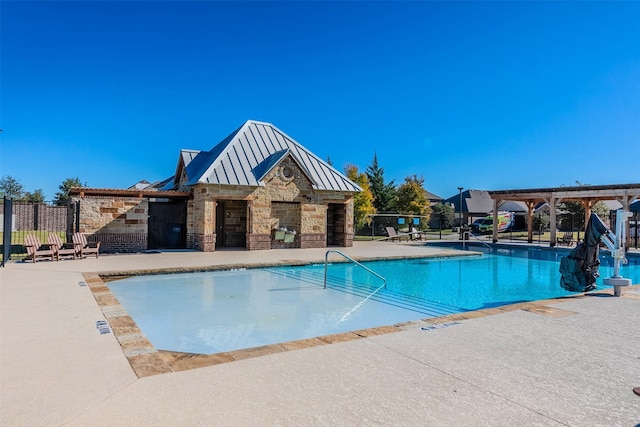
(251, 151)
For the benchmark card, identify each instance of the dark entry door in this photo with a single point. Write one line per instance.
(167, 225)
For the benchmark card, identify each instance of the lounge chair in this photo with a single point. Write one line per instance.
(62, 249)
(86, 248)
(393, 235)
(567, 239)
(35, 248)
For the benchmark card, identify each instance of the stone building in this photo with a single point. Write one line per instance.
(256, 189)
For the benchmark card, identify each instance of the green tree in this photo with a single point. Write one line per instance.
(413, 198)
(384, 194)
(446, 212)
(62, 196)
(362, 201)
(573, 212)
(601, 209)
(11, 188)
(35, 197)
(540, 221)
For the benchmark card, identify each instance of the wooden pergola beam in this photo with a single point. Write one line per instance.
(625, 194)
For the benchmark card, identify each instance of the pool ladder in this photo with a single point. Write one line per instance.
(326, 263)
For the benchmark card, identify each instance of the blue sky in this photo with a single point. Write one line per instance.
(483, 95)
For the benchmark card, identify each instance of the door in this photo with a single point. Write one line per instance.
(167, 225)
(231, 224)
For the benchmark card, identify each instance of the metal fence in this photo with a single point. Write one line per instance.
(377, 230)
(38, 219)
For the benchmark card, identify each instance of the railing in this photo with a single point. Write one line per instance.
(30, 218)
(326, 263)
(468, 236)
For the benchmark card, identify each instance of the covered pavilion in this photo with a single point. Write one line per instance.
(625, 194)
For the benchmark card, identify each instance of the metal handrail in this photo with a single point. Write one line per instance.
(470, 236)
(326, 262)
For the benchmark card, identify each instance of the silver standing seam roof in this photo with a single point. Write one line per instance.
(250, 152)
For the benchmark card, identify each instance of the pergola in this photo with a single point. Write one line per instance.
(586, 195)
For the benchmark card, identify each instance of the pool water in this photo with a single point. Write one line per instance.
(212, 312)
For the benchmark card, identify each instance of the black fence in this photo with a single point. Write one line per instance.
(376, 228)
(39, 219)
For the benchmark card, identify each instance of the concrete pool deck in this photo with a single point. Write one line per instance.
(572, 361)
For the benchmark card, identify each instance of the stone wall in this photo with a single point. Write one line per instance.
(251, 215)
(287, 199)
(120, 224)
(288, 217)
(201, 220)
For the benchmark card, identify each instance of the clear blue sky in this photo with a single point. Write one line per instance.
(483, 95)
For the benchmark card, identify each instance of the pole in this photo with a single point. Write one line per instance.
(7, 229)
(373, 226)
(460, 213)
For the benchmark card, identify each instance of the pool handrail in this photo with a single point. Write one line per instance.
(326, 262)
(470, 236)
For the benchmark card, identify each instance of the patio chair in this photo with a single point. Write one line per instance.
(62, 249)
(85, 247)
(393, 235)
(35, 248)
(416, 235)
(567, 239)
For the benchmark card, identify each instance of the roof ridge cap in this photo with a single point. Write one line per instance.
(259, 122)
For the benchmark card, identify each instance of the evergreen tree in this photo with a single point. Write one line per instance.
(362, 201)
(35, 197)
(11, 188)
(62, 196)
(384, 194)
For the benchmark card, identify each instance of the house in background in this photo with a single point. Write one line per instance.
(434, 198)
(478, 204)
(475, 204)
(257, 189)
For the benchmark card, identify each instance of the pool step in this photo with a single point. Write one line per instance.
(373, 292)
(407, 302)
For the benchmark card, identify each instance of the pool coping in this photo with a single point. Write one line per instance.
(146, 360)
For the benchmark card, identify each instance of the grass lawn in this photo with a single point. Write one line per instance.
(17, 241)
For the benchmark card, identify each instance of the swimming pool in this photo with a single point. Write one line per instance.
(219, 311)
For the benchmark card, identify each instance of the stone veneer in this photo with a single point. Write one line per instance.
(120, 224)
(251, 214)
(284, 201)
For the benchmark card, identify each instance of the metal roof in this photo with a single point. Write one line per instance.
(473, 201)
(251, 151)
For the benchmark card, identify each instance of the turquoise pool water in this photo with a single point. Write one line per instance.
(212, 312)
